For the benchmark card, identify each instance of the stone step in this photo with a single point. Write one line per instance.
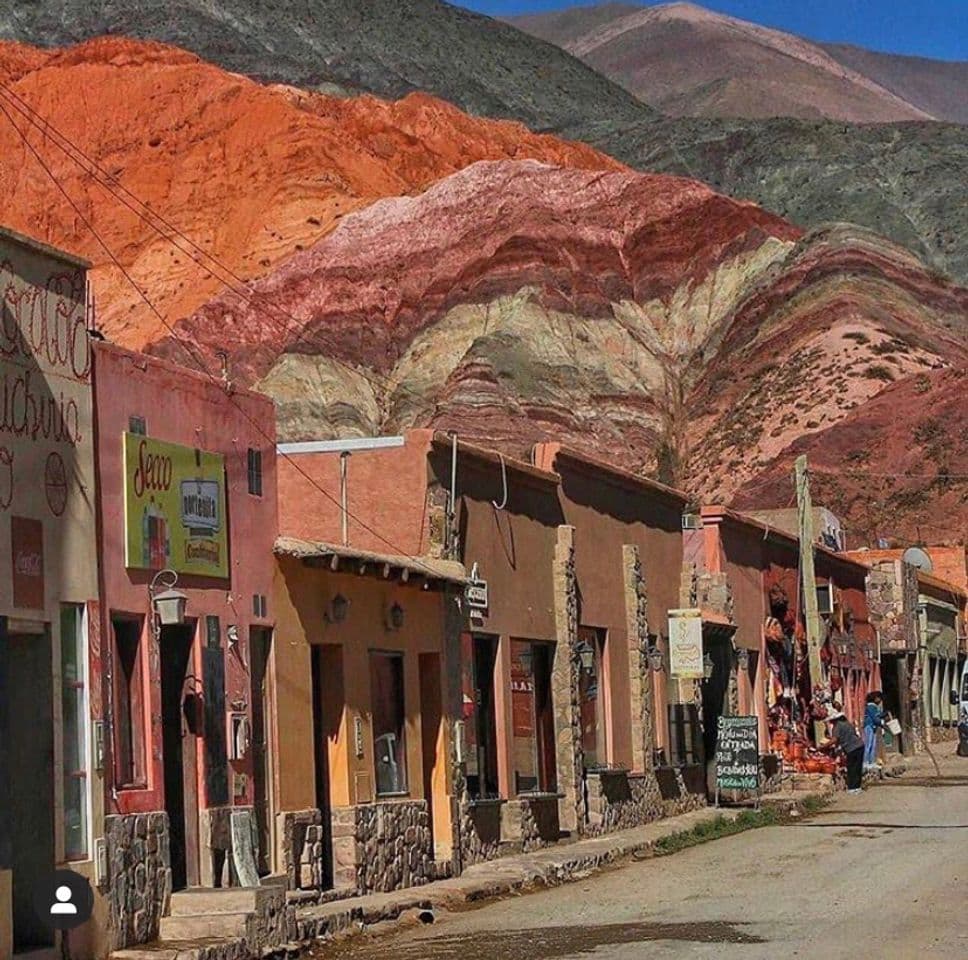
(208, 900)
(198, 926)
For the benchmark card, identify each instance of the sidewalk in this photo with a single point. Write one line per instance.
(543, 868)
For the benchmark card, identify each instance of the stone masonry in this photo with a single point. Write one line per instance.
(139, 876)
(565, 684)
(640, 677)
(303, 853)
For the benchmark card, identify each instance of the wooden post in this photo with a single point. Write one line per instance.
(808, 579)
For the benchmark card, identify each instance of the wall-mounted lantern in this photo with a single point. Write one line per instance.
(586, 654)
(395, 617)
(843, 645)
(707, 667)
(168, 604)
(743, 659)
(338, 608)
(655, 659)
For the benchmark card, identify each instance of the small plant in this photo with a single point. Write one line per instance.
(857, 336)
(922, 383)
(877, 371)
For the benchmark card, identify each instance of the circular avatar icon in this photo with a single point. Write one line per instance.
(55, 484)
(64, 900)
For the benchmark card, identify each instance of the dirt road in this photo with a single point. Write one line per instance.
(881, 876)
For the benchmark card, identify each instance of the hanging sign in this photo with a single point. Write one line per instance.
(174, 508)
(476, 594)
(685, 644)
(737, 754)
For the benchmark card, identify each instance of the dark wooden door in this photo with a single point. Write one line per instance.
(28, 710)
(260, 646)
(181, 719)
(431, 717)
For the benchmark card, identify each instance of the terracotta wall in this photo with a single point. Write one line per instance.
(608, 510)
(184, 407)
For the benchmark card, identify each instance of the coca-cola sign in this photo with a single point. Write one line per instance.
(27, 560)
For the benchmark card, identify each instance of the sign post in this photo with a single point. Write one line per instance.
(738, 756)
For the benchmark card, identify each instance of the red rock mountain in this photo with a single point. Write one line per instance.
(689, 61)
(250, 173)
(642, 317)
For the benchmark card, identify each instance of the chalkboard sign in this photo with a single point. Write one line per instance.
(737, 754)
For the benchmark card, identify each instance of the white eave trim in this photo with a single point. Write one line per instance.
(339, 446)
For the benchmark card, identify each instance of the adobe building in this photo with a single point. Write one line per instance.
(188, 519)
(921, 618)
(51, 773)
(755, 565)
(567, 563)
(362, 791)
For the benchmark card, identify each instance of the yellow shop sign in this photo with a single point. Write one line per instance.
(174, 508)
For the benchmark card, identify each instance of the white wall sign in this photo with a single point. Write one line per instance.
(476, 594)
(685, 644)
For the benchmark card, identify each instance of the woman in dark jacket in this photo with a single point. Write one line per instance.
(844, 736)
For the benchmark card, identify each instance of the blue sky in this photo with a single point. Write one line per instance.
(927, 28)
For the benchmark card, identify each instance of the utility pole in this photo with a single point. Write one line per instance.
(808, 579)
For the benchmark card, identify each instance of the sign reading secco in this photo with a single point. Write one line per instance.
(174, 508)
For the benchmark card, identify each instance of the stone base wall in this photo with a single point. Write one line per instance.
(942, 733)
(302, 854)
(682, 790)
(392, 846)
(532, 822)
(480, 831)
(618, 801)
(139, 876)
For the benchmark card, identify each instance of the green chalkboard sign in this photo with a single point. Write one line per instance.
(737, 754)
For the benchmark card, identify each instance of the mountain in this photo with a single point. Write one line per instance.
(249, 173)
(895, 467)
(939, 87)
(901, 180)
(387, 47)
(689, 61)
(643, 318)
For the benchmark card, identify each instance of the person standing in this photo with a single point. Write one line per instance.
(844, 736)
(873, 723)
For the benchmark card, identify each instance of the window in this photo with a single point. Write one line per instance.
(478, 657)
(592, 696)
(255, 472)
(533, 735)
(389, 734)
(75, 719)
(137, 425)
(129, 746)
(685, 735)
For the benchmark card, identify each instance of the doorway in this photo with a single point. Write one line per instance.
(714, 703)
(328, 704)
(433, 748)
(260, 646)
(27, 729)
(181, 718)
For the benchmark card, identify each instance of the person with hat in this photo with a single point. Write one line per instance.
(843, 735)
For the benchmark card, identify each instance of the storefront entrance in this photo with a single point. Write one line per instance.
(27, 768)
(181, 717)
(259, 649)
(714, 700)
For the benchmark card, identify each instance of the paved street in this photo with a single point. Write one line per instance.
(880, 875)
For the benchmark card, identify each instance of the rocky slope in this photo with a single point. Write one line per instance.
(689, 61)
(895, 467)
(250, 173)
(390, 47)
(641, 317)
(387, 47)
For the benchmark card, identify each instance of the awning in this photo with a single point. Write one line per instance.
(335, 557)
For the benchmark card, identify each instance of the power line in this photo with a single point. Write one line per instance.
(258, 427)
(108, 182)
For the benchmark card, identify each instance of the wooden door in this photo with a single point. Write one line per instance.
(260, 646)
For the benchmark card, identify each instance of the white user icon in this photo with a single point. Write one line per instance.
(63, 895)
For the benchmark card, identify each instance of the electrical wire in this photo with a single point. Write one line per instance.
(108, 183)
(200, 364)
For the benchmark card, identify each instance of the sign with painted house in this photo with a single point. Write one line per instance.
(685, 644)
(174, 508)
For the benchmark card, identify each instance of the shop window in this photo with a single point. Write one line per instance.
(592, 696)
(478, 659)
(389, 734)
(76, 731)
(533, 733)
(255, 472)
(129, 737)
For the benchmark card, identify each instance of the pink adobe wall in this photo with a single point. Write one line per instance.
(386, 497)
(181, 406)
